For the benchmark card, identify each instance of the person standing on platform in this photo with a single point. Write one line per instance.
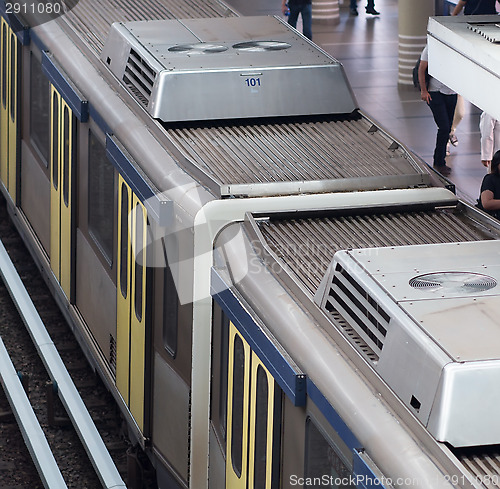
(489, 197)
(476, 7)
(370, 7)
(490, 137)
(442, 101)
(295, 7)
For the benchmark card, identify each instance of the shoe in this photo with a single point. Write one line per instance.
(354, 11)
(372, 11)
(448, 152)
(453, 140)
(443, 169)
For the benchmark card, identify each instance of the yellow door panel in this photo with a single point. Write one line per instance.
(131, 302)
(62, 142)
(13, 114)
(237, 411)
(9, 56)
(123, 290)
(251, 423)
(55, 180)
(4, 99)
(138, 313)
(260, 426)
(66, 189)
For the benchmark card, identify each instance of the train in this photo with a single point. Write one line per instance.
(275, 290)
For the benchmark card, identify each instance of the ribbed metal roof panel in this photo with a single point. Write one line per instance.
(307, 245)
(248, 154)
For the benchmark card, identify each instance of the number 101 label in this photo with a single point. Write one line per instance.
(252, 82)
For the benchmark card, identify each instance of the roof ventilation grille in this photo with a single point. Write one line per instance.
(361, 312)
(489, 30)
(453, 282)
(259, 46)
(139, 77)
(198, 48)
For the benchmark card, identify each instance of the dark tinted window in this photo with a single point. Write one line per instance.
(66, 154)
(170, 311)
(323, 461)
(4, 65)
(39, 110)
(237, 405)
(261, 417)
(138, 260)
(55, 140)
(224, 356)
(124, 241)
(13, 73)
(101, 183)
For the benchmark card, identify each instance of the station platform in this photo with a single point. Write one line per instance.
(367, 46)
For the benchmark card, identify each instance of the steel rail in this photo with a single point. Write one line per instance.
(32, 432)
(94, 445)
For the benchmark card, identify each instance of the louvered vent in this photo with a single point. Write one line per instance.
(139, 77)
(366, 322)
(112, 354)
(489, 30)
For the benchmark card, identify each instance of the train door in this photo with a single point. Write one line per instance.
(9, 110)
(62, 159)
(131, 334)
(253, 420)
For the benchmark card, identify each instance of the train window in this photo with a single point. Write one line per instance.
(260, 458)
(101, 197)
(13, 74)
(237, 405)
(139, 254)
(170, 311)
(323, 461)
(12, 77)
(4, 65)
(55, 140)
(66, 154)
(124, 241)
(220, 361)
(224, 359)
(39, 110)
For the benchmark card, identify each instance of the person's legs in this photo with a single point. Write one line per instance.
(294, 14)
(307, 20)
(457, 117)
(443, 107)
(370, 7)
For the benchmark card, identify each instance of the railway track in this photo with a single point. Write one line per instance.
(18, 471)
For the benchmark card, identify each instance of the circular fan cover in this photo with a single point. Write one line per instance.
(262, 46)
(198, 48)
(454, 282)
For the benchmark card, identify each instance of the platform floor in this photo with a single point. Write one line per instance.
(367, 46)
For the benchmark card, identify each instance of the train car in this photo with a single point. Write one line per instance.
(134, 137)
(375, 319)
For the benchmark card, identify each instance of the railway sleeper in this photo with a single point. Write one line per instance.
(52, 418)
